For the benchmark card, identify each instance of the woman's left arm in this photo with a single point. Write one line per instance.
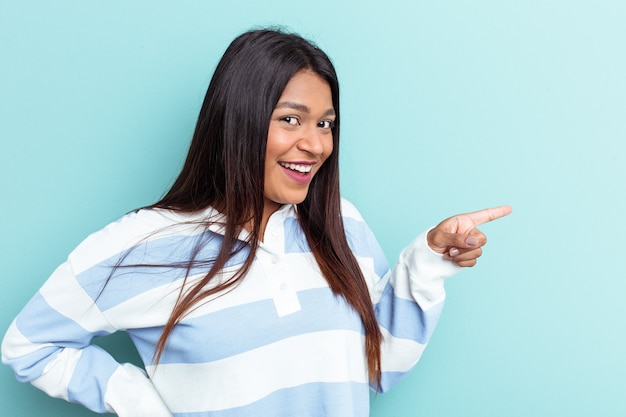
(409, 299)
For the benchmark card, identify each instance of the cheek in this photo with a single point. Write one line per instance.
(278, 143)
(328, 148)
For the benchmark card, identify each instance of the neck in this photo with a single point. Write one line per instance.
(269, 208)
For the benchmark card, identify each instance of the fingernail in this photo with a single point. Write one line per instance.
(471, 241)
(453, 252)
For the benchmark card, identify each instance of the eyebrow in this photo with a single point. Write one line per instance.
(302, 108)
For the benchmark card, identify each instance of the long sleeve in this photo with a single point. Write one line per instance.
(409, 302)
(49, 345)
(408, 299)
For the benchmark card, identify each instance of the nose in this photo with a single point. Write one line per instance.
(313, 141)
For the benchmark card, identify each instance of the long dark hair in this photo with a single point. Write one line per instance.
(224, 169)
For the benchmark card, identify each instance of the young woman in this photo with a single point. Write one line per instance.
(251, 288)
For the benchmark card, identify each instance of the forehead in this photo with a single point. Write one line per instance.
(309, 88)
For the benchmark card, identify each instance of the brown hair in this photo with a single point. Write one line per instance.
(224, 169)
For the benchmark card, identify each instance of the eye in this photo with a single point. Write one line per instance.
(290, 120)
(326, 124)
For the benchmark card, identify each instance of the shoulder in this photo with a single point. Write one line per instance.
(349, 211)
(139, 223)
(355, 226)
(129, 231)
(362, 241)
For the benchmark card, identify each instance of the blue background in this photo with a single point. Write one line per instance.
(447, 107)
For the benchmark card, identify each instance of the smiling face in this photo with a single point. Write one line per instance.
(299, 140)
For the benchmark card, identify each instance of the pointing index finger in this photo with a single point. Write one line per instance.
(489, 214)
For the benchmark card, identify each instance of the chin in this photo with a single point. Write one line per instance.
(294, 198)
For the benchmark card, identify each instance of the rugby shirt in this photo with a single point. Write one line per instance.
(279, 344)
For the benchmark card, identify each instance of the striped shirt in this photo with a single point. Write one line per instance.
(280, 343)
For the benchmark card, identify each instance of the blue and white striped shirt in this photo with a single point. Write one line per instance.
(279, 344)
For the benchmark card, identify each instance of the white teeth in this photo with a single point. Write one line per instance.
(298, 167)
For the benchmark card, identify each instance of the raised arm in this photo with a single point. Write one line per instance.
(409, 299)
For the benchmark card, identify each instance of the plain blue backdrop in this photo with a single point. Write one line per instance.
(447, 107)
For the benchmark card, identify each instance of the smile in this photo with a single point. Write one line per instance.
(302, 168)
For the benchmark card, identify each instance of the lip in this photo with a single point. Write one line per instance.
(298, 177)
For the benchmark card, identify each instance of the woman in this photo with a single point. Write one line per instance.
(251, 288)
